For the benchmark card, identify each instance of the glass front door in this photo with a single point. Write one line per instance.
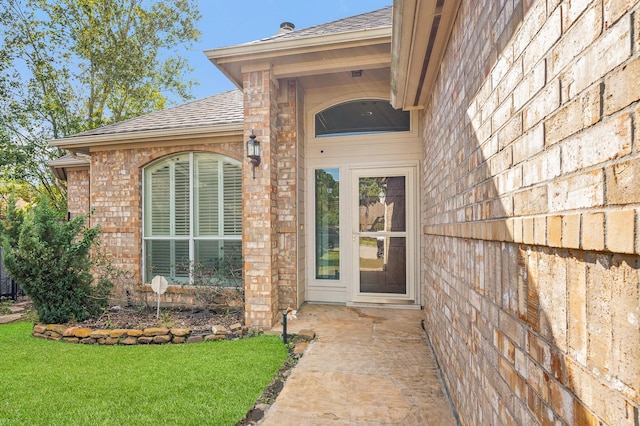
(381, 234)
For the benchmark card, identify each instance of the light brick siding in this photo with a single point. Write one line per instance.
(116, 202)
(260, 206)
(531, 200)
(287, 192)
(78, 191)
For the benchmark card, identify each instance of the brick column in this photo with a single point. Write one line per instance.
(259, 238)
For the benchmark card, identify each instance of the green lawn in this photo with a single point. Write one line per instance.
(53, 383)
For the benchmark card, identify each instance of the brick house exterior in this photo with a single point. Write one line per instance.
(522, 233)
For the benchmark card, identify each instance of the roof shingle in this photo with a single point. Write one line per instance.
(224, 108)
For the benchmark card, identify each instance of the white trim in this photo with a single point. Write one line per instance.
(410, 171)
(191, 238)
(274, 48)
(107, 139)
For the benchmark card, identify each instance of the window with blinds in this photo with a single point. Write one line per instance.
(192, 216)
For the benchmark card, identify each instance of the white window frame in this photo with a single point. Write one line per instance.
(192, 211)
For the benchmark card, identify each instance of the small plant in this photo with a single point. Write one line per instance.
(167, 320)
(217, 283)
(4, 308)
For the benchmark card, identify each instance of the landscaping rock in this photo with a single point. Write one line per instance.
(195, 339)
(155, 331)
(6, 319)
(219, 329)
(178, 339)
(307, 334)
(100, 334)
(82, 332)
(89, 341)
(129, 340)
(58, 328)
(162, 339)
(39, 328)
(71, 339)
(145, 340)
(180, 332)
(134, 333)
(118, 332)
(300, 348)
(211, 337)
(111, 341)
(70, 332)
(235, 327)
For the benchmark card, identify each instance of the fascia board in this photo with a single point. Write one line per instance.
(266, 49)
(412, 73)
(85, 143)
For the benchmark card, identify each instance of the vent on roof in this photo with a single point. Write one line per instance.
(286, 27)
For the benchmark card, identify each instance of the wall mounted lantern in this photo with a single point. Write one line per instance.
(253, 152)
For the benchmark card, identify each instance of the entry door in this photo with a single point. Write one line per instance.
(383, 235)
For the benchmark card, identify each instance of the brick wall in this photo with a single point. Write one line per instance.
(260, 220)
(78, 191)
(531, 268)
(287, 193)
(116, 200)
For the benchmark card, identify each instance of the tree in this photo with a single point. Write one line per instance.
(51, 260)
(67, 66)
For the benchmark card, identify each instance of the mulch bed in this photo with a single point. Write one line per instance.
(197, 320)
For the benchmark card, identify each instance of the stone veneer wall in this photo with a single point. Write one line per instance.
(116, 200)
(531, 235)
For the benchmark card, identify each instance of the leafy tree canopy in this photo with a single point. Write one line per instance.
(68, 66)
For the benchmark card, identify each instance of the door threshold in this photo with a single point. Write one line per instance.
(385, 305)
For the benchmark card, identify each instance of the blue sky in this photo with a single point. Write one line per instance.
(231, 22)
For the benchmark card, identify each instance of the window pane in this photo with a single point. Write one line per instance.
(362, 116)
(158, 202)
(182, 207)
(158, 261)
(382, 204)
(206, 194)
(327, 224)
(180, 260)
(218, 261)
(232, 199)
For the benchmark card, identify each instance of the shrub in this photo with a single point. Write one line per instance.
(51, 260)
(217, 282)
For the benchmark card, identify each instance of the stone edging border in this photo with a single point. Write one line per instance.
(128, 336)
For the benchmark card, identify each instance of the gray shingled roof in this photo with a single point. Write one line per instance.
(224, 108)
(367, 21)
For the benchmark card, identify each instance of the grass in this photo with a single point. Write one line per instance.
(54, 383)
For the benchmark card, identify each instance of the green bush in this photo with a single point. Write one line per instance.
(51, 260)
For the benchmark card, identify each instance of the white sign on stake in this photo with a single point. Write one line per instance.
(159, 284)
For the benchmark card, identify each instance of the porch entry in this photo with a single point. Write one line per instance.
(364, 236)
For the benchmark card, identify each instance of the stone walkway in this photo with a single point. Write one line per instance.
(366, 366)
(17, 312)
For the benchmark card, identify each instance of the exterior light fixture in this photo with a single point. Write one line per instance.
(253, 152)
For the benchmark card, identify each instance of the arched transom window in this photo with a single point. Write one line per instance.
(192, 226)
(362, 116)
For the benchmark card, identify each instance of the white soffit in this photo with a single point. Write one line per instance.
(421, 31)
(365, 49)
